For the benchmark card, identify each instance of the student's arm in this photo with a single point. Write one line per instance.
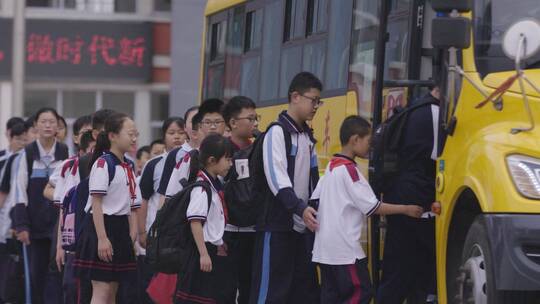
(364, 198)
(141, 222)
(275, 170)
(409, 210)
(60, 253)
(146, 187)
(197, 231)
(196, 214)
(132, 218)
(21, 222)
(48, 192)
(105, 250)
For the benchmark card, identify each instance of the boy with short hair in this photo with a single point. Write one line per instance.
(157, 147)
(283, 271)
(345, 199)
(242, 119)
(208, 120)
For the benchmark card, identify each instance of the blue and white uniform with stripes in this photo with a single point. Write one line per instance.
(283, 270)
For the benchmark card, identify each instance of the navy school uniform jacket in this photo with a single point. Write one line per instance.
(284, 170)
(417, 154)
(33, 212)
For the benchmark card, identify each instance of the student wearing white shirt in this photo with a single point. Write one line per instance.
(205, 271)
(209, 120)
(345, 199)
(174, 135)
(7, 201)
(175, 155)
(105, 253)
(35, 216)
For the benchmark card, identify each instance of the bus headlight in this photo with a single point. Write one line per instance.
(525, 172)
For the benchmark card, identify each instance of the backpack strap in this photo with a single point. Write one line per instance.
(61, 151)
(31, 151)
(111, 165)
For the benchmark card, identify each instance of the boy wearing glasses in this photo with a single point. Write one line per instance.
(242, 120)
(283, 271)
(207, 121)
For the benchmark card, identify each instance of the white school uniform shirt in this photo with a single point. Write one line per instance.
(275, 165)
(150, 186)
(180, 171)
(117, 198)
(46, 165)
(345, 199)
(9, 203)
(69, 178)
(213, 218)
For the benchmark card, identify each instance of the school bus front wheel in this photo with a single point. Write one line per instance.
(500, 261)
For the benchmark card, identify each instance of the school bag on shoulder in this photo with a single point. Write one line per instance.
(74, 216)
(383, 156)
(245, 192)
(170, 242)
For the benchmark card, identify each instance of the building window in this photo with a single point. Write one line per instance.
(94, 6)
(37, 99)
(290, 66)
(162, 5)
(78, 103)
(119, 101)
(159, 112)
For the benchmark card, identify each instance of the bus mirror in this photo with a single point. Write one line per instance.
(527, 29)
(447, 32)
(447, 6)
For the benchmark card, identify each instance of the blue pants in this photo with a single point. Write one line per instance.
(282, 269)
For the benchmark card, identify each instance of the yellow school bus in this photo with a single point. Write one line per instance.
(373, 55)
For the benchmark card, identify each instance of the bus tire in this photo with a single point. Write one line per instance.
(476, 278)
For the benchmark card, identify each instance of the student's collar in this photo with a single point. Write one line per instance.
(42, 151)
(186, 146)
(214, 181)
(291, 125)
(236, 146)
(345, 157)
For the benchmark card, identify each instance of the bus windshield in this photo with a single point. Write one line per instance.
(491, 20)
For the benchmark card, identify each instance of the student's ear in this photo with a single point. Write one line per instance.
(232, 124)
(295, 96)
(212, 160)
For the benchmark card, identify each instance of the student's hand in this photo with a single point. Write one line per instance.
(414, 211)
(206, 263)
(105, 250)
(142, 240)
(60, 258)
(310, 218)
(24, 237)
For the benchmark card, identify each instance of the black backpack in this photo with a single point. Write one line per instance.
(245, 197)
(383, 156)
(170, 242)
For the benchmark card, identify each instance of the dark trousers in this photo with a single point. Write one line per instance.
(240, 246)
(409, 261)
(11, 273)
(346, 284)
(282, 269)
(75, 290)
(45, 284)
(145, 274)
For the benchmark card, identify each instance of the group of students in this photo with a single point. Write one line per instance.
(307, 222)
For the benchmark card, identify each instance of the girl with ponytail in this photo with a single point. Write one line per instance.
(105, 253)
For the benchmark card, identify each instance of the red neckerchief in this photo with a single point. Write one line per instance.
(339, 160)
(221, 194)
(131, 179)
